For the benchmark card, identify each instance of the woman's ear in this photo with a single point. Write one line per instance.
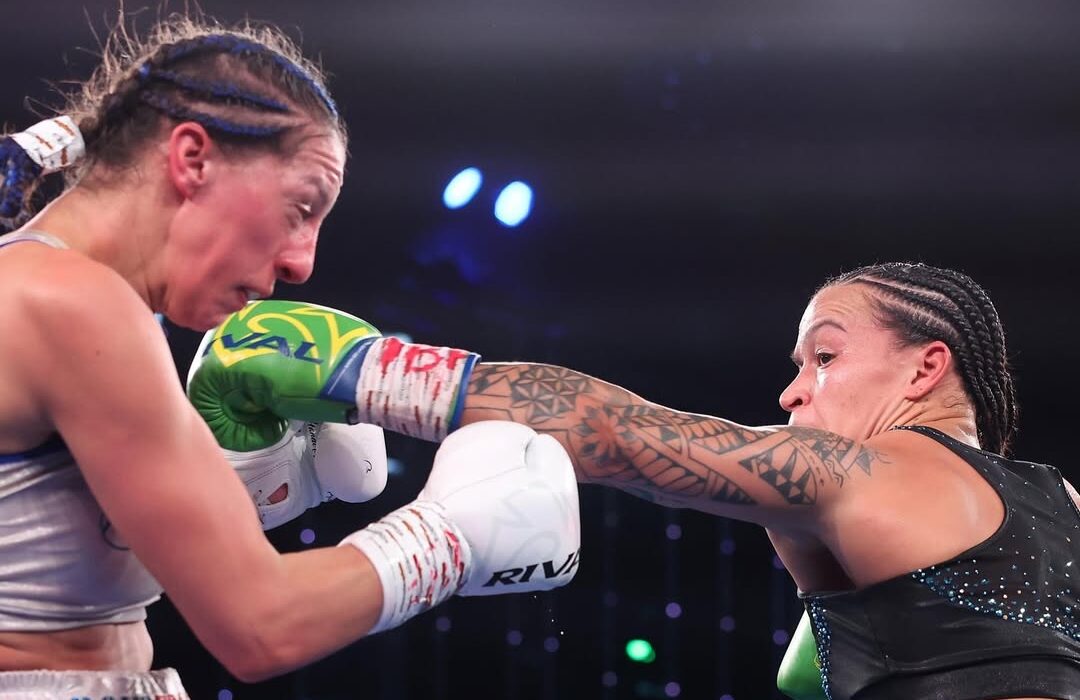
(932, 364)
(190, 148)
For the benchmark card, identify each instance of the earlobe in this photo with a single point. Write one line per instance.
(190, 147)
(933, 362)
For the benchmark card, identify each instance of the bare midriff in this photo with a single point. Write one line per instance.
(111, 647)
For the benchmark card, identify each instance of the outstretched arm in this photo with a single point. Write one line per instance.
(771, 475)
(766, 475)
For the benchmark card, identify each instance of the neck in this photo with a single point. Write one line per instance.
(120, 227)
(955, 418)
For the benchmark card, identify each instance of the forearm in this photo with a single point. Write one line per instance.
(307, 606)
(613, 436)
(671, 457)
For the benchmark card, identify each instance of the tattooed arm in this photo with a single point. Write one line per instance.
(765, 475)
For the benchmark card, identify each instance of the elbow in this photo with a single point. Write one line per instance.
(260, 651)
(254, 662)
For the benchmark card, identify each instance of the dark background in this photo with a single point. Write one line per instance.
(699, 167)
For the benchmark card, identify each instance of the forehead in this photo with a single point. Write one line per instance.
(320, 150)
(846, 304)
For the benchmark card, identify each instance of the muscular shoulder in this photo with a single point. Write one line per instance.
(59, 300)
(1072, 492)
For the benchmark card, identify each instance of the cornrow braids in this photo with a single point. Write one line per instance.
(921, 303)
(248, 85)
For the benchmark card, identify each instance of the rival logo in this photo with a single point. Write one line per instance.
(524, 574)
(254, 341)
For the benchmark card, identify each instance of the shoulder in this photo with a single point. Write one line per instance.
(907, 465)
(1071, 490)
(59, 304)
(45, 285)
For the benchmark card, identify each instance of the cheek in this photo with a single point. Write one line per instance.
(842, 388)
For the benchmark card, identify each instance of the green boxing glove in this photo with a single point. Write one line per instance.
(277, 360)
(800, 674)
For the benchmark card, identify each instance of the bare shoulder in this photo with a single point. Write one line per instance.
(929, 506)
(65, 295)
(919, 463)
(54, 302)
(77, 320)
(1072, 492)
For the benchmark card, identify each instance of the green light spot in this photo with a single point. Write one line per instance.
(640, 651)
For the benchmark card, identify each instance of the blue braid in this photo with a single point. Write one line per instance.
(237, 45)
(219, 90)
(162, 104)
(20, 171)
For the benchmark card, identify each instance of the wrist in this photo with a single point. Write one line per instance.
(420, 556)
(410, 388)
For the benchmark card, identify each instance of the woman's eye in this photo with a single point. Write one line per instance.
(824, 358)
(306, 211)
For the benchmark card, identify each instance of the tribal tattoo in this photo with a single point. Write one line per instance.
(659, 454)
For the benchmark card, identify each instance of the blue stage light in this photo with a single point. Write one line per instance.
(462, 188)
(514, 203)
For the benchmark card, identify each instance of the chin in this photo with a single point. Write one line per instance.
(198, 322)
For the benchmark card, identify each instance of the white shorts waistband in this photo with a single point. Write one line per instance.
(163, 684)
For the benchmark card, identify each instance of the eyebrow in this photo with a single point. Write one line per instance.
(319, 184)
(814, 328)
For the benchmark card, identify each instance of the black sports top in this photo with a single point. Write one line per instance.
(1001, 620)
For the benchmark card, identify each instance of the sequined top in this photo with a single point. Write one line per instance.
(61, 563)
(1000, 620)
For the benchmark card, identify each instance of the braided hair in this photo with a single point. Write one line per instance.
(248, 85)
(921, 304)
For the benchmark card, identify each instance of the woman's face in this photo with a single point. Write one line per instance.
(253, 222)
(852, 376)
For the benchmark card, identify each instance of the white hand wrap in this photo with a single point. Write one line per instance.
(420, 556)
(499, 514)
(53, 144)
(413, 389)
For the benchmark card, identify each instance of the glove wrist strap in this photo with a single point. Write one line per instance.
(421, 558)
(418, 390)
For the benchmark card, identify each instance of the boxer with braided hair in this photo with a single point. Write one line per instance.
(202, 164)
(931, 564)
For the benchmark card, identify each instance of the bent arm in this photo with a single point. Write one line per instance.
(768, 475)
(111, 391)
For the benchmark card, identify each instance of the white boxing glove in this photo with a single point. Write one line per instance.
(313, 463)
(499, 514)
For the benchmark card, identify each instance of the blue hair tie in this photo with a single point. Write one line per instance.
(19, 171)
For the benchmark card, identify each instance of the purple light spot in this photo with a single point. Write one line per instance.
(727, 696)
(442, 623)
(674, 532)
(777, 564)
(514, 638)
(307, 535)
(609, 679)
(611, 599)
(727, 623)
(780, 637)
(551, 645)
(672, 689)
(673, 610)
(727, 546)
(224, 694)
